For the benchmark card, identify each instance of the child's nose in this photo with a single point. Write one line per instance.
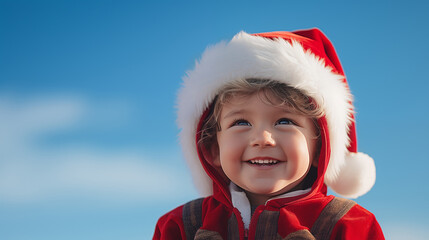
(263, 139)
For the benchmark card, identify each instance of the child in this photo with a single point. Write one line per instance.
(267, 124)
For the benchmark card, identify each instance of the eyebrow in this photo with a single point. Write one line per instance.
(234, 112)
(244, 111)
(287, 110)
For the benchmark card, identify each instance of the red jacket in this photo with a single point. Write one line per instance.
(291, 218)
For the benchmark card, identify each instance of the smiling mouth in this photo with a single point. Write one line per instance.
(263, 162)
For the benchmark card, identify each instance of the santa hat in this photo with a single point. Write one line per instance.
(305, 60)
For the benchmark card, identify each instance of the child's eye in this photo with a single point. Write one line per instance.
(241, 122)
(284, 121)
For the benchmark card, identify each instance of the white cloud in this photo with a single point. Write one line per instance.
(31, 174)
(23, 120)
(89, 175)
(405, 230)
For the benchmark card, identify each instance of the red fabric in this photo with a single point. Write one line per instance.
(358, 223)
(294, 213)
(170, 226)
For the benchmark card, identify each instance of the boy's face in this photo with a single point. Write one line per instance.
(266, 150)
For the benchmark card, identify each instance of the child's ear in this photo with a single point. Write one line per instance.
(315, 162)
(316, 157)
(211, 154)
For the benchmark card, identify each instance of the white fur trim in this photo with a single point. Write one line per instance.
(356, 177)
(248, 56)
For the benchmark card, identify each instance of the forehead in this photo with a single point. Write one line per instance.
(260, 102)
(283, 97)
(265, 96)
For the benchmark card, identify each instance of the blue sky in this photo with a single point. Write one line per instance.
(88, 140)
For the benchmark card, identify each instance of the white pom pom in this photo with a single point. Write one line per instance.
(356, 176)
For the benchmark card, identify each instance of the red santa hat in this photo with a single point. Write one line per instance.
(305, 60)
